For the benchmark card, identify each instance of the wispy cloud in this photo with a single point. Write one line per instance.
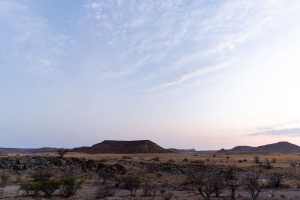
(193, 73)
(32, 40)
(280, 132)
(186, 33)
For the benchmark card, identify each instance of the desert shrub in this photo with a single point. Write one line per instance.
(268, 164)
(185, 160)
(70, 185)
(214, 155)
(232, 180)
(119, 169)
(41, 176)
(147, 187)
(105, 191)
(156, 159)
(244, 160)
(62, 152)
(30, 187)
(203, 182)
(256, 159)
(1, 192)
(4, 178)
(167, 196)
(273, 160)
(252, 185)
(207, 159)
(240, 161)
(293, 163)
(132, 183)
(276, 180)
(49, 187)
(171, 161)
(112, 172)
(126, 157)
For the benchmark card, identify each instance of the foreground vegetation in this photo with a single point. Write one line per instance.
(166, 176)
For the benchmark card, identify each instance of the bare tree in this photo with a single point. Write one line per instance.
(293, 164)
(256, 159)
(202, 181)
(62, 152)
(268, 163)
(276, 179)
(218, 183)
(232, 180)
(252, 185)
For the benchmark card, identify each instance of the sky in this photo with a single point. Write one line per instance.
(184, 74)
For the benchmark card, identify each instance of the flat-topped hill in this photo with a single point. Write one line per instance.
(123, 147)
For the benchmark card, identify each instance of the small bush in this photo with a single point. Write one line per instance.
(126, 157)
(4, 178)
(105, 191)
(276, 180)
(256, 159)
(167, 196)
(132, 183)
(185, 160)
(30, 187)
(41, 176)
(156, 159)
(70, 185)
(62, 152)
(49, 187)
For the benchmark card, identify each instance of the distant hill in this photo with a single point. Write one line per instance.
(182, 150)
(27, 150)
(243, 149)
(123, 147)
(223, 151)
(280, 147)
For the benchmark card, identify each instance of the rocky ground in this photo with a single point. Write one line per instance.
(169, 177)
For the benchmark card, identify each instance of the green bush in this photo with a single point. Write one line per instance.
(132, 183)
(70, 185)
(49, 187)
(30, 187)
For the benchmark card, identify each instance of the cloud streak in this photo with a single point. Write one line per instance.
(197, 72)
(186, 33)
(279, 132)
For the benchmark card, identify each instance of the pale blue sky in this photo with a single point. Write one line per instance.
(184, 74)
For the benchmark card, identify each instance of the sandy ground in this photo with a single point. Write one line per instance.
(89, 191)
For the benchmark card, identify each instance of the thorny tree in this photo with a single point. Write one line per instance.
(252, 184)
(203, 181)
(232, 180)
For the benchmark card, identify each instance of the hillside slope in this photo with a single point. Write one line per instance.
(280, 147)
(123, 147)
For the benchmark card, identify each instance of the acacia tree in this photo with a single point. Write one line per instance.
(62, 152)
(203, 182)
(276, 179)
(252, 185)
(232, 180)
